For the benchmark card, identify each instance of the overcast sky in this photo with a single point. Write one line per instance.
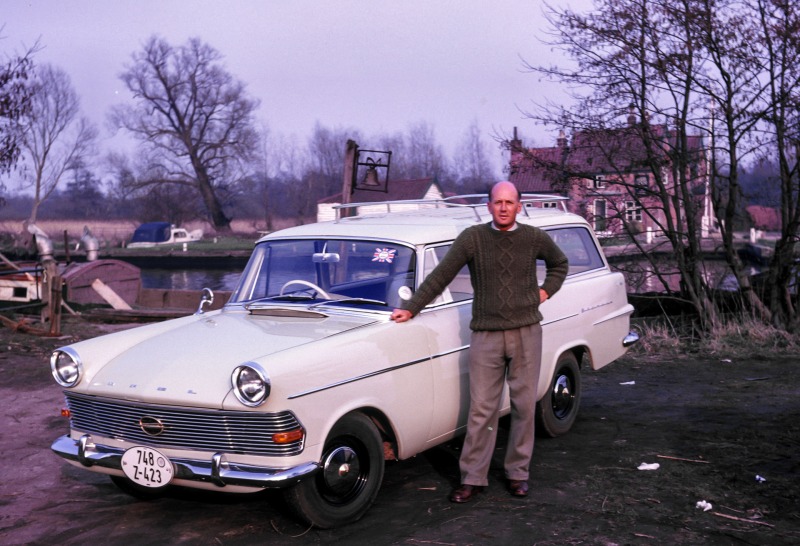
(375, 66)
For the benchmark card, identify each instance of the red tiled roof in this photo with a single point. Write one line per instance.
(615, 150)
(766, 218)
(399, 190)
(538, 170)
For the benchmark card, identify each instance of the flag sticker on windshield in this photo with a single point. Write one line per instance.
(384, 255)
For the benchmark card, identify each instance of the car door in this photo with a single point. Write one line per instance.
(447, 319)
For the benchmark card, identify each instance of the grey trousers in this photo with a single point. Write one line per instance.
(512, 355)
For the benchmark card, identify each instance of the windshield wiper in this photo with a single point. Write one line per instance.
(348, 300)
(292, 296)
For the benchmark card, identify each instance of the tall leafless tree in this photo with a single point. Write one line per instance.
(733, 85)
(471, 161)
(727, 69)
(56, 136)
(195, 119)
(778, 32)
(634, 65)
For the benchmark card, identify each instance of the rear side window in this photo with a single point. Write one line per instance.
(579, 246)
(460, 288)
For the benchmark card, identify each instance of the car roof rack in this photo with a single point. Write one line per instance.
(453, 201)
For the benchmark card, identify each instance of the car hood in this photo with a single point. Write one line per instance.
(190, 362)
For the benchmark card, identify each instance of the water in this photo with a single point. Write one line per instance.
(641, 276)
(215, 279)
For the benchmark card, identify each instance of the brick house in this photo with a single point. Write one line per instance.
(608, 177)
(399, 190)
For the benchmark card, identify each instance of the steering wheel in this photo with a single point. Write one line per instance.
(308, 284)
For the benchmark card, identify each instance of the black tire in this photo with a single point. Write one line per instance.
(350, 477)
(557, 410)
(136, 490)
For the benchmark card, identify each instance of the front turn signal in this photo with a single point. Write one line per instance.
(288, 437)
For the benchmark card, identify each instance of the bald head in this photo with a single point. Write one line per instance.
(504, 204)
(504, 184)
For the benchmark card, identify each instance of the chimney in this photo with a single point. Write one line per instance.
(631, 115)
(561, 141)
(515, 147)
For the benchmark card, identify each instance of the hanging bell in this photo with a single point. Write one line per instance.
(371, 175)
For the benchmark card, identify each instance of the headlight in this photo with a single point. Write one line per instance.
(251, 384)
(66, 367)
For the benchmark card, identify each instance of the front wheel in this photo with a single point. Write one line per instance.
(350, 477)
(556, 412)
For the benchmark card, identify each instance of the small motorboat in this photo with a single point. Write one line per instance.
(162, 233)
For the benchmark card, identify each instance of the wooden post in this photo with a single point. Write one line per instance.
(66, 247)
(347, 179)
(55, 305)
(48, 278)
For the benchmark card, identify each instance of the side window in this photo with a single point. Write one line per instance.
(580, 248)
(459, 289)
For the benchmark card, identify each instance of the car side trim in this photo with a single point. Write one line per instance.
(377, 372)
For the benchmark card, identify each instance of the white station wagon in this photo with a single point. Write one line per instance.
(302, 382)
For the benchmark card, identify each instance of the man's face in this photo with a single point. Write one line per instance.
(504, 206)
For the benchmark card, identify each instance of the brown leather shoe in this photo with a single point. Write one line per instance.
(465, 493)
(518, 488)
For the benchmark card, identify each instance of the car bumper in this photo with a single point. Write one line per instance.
(216, 470)
(631, 339)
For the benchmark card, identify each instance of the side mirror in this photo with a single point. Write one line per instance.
(206, 298)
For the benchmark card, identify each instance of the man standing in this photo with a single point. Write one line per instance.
(506, 340)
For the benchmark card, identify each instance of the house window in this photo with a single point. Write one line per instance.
(633, 211)
(596, 183)
(600, 215)
(549, 204)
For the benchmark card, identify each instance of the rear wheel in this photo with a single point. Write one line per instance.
(350, 477)
(556, 412)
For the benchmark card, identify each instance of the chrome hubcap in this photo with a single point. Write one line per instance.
(341, 470)
(562, 396)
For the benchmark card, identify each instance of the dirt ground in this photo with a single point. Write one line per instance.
(724, 430)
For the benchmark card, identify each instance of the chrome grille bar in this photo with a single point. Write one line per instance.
(243, 432)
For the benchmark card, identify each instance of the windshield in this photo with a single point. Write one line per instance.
(328, 269)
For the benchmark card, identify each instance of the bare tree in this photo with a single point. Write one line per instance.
(634, 63)
(15, 104)
(779, 38)
(471, 161)
(725, 69)
(56, 137)
(415, 154)
(193, 116)
(143, 186)
(425, 155)
(733, 84)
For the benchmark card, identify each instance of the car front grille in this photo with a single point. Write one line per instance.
(198, 429)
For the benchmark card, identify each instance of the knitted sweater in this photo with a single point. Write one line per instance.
(502, 269)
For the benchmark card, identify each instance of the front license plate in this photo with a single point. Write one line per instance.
(147, 467)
